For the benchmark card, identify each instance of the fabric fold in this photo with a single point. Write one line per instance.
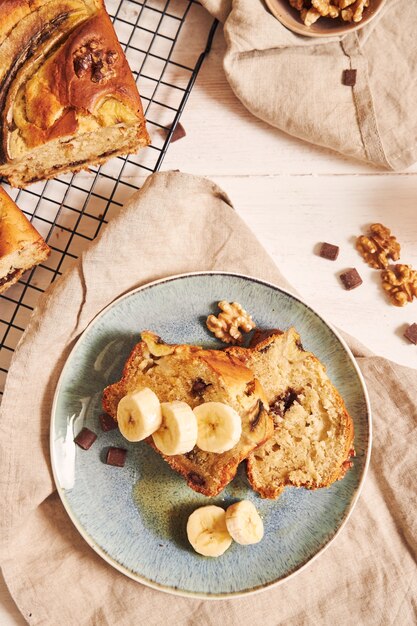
(180, 223)
(295, 83)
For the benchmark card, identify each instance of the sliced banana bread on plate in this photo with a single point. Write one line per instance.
(194, 375)
(313, 437)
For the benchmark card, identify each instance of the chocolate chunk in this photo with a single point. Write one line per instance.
(349, 78)
(329, 251)
(196, 479)
(411, 333)
(116, 457)
(107, 422)
(284, 402)
(261, 334)
(351, 279)
(85, 438)
(199, 387)
(179, 133)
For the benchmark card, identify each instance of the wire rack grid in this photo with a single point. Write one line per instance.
(70, 210)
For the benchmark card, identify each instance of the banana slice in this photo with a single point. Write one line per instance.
(244, 523)
(219, 427)
(207, 531)
(139, 414)
(178, 431)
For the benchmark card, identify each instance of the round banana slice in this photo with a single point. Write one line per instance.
(207, 531)
(178, 431)
(139, 414)
(219, 427)
(244, 523)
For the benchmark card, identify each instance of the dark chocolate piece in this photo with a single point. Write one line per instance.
(349, 78)
(329, 251)
(411, 333)
(85, 438)
(179, 133)
(284, 402)
(199, 387)
(351, 279)
(196, 479)
(116, 457)
(261, 334)
(107, 422)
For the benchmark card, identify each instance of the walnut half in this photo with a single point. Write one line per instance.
(400, 283)
(378, 247)
(226, 326)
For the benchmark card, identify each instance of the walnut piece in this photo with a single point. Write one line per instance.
(378, 247)
(226, 326)
(400, 283)
(325, 8)
(91, 58)
(309, 16)
(354, 12)
(312, 10)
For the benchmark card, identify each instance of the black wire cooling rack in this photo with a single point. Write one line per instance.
(70, 210)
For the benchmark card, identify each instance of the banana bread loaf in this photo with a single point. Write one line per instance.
(21, 246)
(67, 96)
(194, 375)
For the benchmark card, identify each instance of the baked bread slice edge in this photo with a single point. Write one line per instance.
(195, 375)
(313, 437)
(21, 246)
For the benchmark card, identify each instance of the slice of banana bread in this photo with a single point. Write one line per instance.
(21, 246)
(194, 375)
(313, 435)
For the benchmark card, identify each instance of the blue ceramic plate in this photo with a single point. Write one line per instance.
(135, 517)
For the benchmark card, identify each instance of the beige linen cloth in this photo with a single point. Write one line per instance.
(179, 223)
(295, 82)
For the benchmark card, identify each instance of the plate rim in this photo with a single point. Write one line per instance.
(169, 589)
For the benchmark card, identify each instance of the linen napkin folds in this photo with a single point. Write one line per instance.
(295, 83)
(368, 574)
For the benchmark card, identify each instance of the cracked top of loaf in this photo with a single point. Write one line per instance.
(63, 73)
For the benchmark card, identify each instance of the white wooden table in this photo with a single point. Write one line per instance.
(294, 196)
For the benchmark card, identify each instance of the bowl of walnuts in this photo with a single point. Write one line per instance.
(324, 18)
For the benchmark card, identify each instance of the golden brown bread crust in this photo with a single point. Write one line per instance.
(284, 399)
(172, 376)
(63, 76)
(21, 246)
(70, 89)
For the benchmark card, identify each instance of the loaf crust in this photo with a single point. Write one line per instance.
(171, 371)
(21, 246)
(313, 437)
(68, 99)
